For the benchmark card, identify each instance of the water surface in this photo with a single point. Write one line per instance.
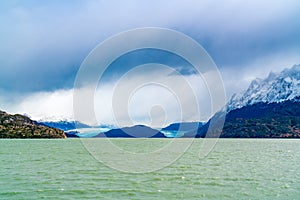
(235, 169)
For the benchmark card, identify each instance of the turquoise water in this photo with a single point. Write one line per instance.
(235, 169)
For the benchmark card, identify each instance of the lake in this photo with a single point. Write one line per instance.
(235, 169)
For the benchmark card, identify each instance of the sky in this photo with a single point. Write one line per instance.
(43, 44)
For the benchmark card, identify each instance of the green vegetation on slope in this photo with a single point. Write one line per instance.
(274, 120)
(19, 126)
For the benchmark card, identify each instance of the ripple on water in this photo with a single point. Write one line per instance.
(235, 169)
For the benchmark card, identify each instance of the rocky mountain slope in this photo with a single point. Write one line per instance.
(275, 88)
(19, 126)
(269, 108)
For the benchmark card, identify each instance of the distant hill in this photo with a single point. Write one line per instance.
(182, 129)
(19, 126)
(72, 134)
(184, 126)
(138, 131)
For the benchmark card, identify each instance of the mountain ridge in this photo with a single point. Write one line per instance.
(277, 87)
(64, 125)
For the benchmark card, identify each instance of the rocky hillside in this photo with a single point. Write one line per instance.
(19, 126)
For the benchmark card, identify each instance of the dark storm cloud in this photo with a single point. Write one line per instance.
(44, 43)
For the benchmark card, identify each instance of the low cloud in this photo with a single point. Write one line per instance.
(151, 104)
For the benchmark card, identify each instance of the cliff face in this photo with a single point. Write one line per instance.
(19, 126)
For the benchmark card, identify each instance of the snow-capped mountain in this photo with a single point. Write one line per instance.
(275, 88)
(64, 125)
